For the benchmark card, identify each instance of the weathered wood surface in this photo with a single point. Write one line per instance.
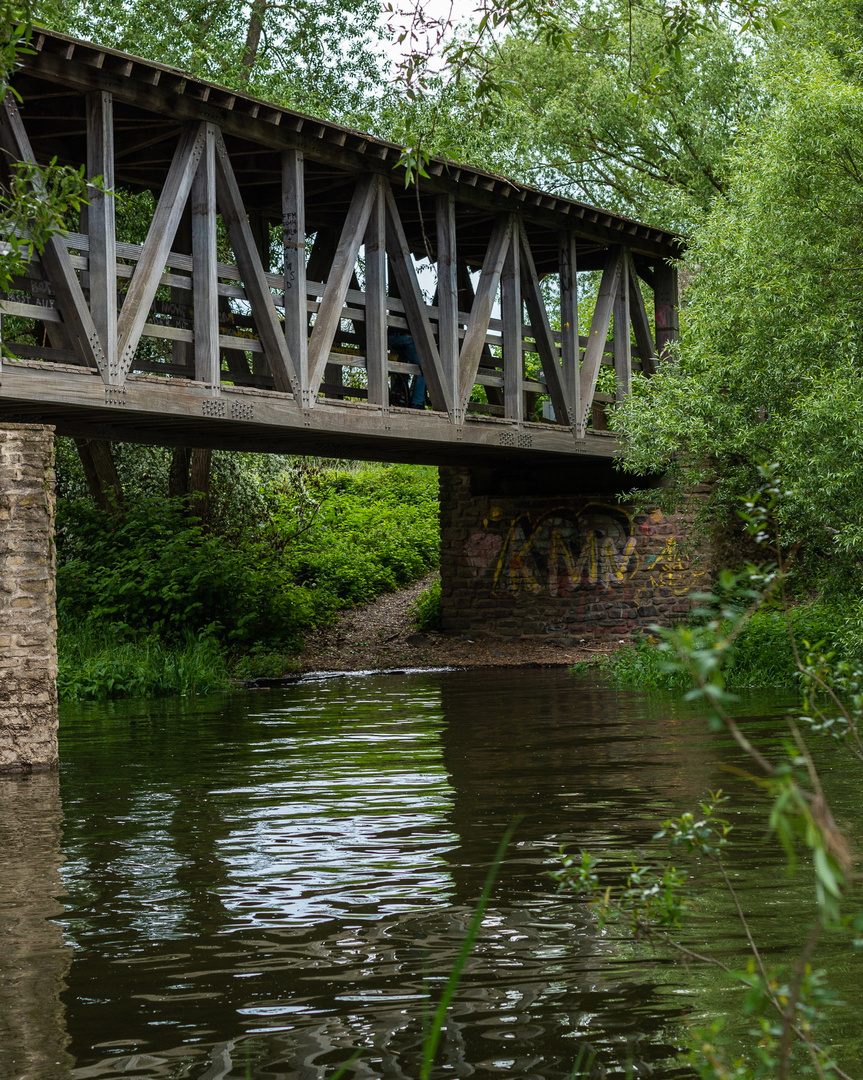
(163, 342)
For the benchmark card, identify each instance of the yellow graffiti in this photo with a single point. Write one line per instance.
(513, 559)
(563, 550)
(673, 569)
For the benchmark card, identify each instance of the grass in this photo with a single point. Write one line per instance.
(92, 667)
(762, 654)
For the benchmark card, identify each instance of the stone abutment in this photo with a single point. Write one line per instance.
(28, 621)
(557, 557)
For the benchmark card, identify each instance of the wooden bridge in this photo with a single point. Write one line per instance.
(256, 310)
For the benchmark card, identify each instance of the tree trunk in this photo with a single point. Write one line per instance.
(178, 474)
(199, 484)
(253, 38)
(101, 474)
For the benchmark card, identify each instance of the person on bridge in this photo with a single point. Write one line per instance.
(403, 345)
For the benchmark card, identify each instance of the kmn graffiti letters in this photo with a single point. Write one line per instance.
(565, 549)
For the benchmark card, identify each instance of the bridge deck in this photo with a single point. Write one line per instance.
(255, 307)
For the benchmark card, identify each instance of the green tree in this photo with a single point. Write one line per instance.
(620, 116)
(321, 56)
(771, 357)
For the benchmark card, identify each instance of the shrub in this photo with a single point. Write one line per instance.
(426, 609)
(153, 578)
(761, 654)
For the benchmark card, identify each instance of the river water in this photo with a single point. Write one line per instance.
(254, 886)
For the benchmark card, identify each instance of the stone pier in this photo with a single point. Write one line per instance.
(556, 557)
(28, 621)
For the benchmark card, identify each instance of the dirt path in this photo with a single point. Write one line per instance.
(381, 635)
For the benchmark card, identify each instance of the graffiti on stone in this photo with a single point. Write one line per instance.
(481, 550)
(673, 569)
(565, 549)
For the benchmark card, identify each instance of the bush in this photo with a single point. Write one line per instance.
(761, 655)
(426, 609)
(152, 578)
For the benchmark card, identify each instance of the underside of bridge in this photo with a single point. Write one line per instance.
(246, 277)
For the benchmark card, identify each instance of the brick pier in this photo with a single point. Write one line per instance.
(556, 557)
(28, 622)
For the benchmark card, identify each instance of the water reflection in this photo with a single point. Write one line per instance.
(34, 961)
(259, 885)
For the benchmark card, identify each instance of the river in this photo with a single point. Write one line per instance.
(254, 886)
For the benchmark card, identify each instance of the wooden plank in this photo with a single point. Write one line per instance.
(666, 302)
(640, 322)
(230, 203)
(447, 291)
(416, 311)
(376, 348)
(101, 223)
(621, 340)
(512, 309)
(486, 293)
(596, 338)
(570, 351)
(30, 311)
(76, 317)
(294, 245)
(542, 334)
(338, 283)
(163, 227)
(205, 290)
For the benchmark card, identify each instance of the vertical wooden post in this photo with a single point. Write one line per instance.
(569, 347)
(294, 241)
(205, 279)
(447, 295)
(512, 310)
(377, 353)
(666, 301)
(182, 353)
(622, 346)
(101, 226)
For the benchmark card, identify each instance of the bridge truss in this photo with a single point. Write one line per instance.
(256, 305)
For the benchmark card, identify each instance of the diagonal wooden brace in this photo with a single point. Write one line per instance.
(640, 322)
(154, 253)
(598, 335)
(68, 294)
(480, 313)
(339, 281)
(255, 283)
(416, 312)
(545, 346)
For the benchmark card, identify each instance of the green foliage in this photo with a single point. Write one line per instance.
(770, 359)
(760, 656)
(317, 55)
(99, 666)
(311, 541)
(36, 202)
(426, 609)
(154, 570)
(592, 120)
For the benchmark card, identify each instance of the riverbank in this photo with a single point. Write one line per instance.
(381, 635)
